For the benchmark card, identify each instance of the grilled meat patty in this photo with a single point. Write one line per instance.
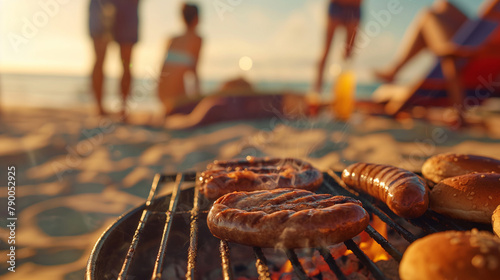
(222, 177)
(286, 218)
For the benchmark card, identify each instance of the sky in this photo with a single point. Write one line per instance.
(283, 38)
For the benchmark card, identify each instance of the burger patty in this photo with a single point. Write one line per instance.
(286, 218)
(222, 177)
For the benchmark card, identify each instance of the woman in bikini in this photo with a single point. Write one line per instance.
(181, 58)
(341, 13)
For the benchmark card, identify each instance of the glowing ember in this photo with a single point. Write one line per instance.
(371, 248)
(316, 267)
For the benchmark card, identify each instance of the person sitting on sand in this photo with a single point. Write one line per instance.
(236, 100)
(346, 13)
(181, 58)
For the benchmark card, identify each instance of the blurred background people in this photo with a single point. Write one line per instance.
(433, 29)
(116, 20)
(341, 13)
(181, 58)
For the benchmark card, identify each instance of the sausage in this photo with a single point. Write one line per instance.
(404, 192)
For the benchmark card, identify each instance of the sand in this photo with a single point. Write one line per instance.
(76, 173)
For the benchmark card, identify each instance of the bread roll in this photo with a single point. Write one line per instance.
(495, 219)
(471, 197)
(454, 255)
(444, 166)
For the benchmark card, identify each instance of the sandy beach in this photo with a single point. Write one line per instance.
(76, 173)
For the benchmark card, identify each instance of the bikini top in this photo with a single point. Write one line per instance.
(179, 58)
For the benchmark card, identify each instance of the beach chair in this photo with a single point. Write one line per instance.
(479, 75)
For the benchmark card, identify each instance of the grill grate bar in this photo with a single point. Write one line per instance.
(426, 226)
(435, 224)
(261, 264)
(430, 222)
(140, 227)
(189, 176)
(226, 264)
(369, 206)
(440, 219)
(174, 200)
(193, 235)
(332, 264)
(297, 266)
(365, 260)
(384, 243)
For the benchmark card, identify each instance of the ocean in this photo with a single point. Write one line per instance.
(58, 91)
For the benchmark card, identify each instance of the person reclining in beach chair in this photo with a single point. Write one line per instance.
(446, 31)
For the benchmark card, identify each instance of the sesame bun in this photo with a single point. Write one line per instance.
(495, 219)
(444, 166)
(453, 255)
(471, 197)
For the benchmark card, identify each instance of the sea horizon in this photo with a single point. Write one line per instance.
(70, 91)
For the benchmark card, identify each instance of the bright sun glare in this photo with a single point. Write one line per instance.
(245, 63)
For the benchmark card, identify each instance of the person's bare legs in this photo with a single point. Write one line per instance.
(351, 30)
(126, 57)
(100, 47)
(439, 40)
(331, 26)
(430, 33)
(454, 87)
(415, 43)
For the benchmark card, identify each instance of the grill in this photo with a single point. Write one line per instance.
(167, 238)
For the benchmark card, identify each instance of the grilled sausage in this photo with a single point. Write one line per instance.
(402, 191)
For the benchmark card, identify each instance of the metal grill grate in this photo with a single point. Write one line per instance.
(429, 223)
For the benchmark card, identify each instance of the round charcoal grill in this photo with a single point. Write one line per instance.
(167, 238)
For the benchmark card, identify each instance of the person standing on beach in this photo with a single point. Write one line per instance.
(181, 58)
(116, 20)
(341, 13)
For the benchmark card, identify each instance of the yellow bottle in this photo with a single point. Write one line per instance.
(343, 95)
